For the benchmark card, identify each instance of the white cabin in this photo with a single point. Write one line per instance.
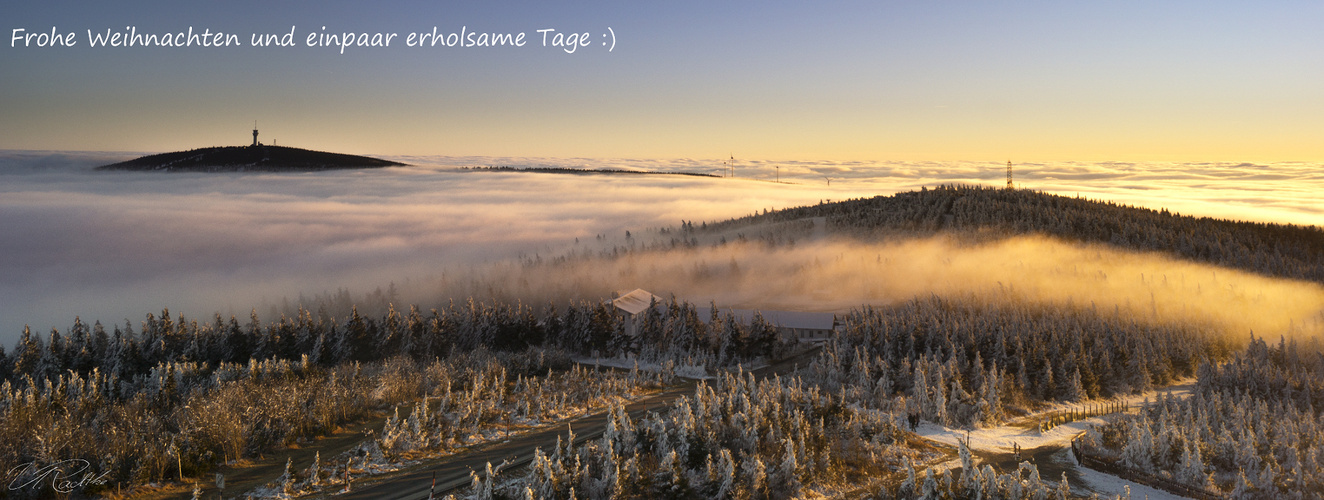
(630, 305)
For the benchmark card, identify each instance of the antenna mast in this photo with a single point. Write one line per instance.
(1009, 174)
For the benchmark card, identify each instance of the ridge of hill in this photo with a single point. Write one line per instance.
(261, 158)
(1280, 250)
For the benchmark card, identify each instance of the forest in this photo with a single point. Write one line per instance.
(1253, 428)
(171, 399)
(1280, 250)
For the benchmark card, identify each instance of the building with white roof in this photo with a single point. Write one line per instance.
(804, 326)
(630, 305)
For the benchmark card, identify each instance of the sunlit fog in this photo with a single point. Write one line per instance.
(112, 246)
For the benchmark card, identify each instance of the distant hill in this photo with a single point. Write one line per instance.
(247, 159)
(1283, 250)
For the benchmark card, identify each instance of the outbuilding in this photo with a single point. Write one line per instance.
(798, 325)
(629, 306)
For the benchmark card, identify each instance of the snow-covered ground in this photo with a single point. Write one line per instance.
(1108, 484)
(1023, 433)
(1018, 432)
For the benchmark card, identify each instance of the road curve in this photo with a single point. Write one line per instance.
(452, 471)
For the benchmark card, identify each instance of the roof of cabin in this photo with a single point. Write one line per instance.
(636, 301)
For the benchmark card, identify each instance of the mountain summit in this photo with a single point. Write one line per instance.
(262, 158)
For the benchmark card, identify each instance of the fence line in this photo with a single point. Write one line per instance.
(1081, 412)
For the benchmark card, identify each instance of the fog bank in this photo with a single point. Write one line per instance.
(112, 246)
(839, 275)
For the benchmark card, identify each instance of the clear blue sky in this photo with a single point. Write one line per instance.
(764, 80)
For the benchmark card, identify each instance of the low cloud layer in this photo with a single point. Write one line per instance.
(1277, 192)
(836, 276)
(117, 245)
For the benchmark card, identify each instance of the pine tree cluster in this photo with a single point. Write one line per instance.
(738, 438)
(1281, 250)
(961, 362)
(745, 438)
(179, 392)
(1253, 427)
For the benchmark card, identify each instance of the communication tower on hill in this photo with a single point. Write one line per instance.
(1008, 170)
(254, 132)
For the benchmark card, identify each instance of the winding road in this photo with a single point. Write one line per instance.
(453, 471)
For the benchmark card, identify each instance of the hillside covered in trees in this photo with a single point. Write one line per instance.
(1280, 250)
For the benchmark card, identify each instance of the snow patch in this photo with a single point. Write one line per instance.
(1108, 484)
(1003, 438)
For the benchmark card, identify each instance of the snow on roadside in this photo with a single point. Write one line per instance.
(696, 372)
(1108, 484)
(1002, 438)
(405, 442)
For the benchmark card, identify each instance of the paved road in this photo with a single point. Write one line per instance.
(453, 471)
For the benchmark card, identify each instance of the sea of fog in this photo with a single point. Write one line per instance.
(113, 246)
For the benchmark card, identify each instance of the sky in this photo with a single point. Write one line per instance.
(874, 81)
(1204, 108)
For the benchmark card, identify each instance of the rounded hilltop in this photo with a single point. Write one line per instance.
(261, 157)
(256, 157)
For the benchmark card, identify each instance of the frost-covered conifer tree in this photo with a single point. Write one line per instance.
(756, 475)
(909, 485)
(929, 490)
(1138, 453)
(1075, 389)
(786, 478)
(726, 474)
(314, 471)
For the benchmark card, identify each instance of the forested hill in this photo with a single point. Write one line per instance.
(1280, 250)
(248, 158)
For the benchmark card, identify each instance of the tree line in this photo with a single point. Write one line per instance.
(1280, 250)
